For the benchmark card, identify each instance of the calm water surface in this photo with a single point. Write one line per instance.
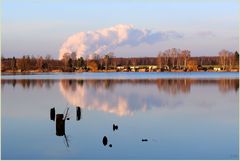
(186, 116)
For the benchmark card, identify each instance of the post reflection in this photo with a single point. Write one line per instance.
(78, 113)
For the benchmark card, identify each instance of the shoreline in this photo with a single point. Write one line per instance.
(109, 71)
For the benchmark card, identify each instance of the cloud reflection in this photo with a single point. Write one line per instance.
(94, 96)
(124, 97)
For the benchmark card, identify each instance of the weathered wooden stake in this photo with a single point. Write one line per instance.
(52, 114)
(60, 125)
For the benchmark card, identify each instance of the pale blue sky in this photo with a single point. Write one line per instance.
(37, 27)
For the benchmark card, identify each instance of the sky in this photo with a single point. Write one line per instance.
(36, 27)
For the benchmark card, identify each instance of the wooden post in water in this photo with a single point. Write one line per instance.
(60, 125)
(52, 113)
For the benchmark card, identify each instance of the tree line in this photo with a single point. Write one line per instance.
(171, 59)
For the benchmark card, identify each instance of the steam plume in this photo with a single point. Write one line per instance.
(106, 40)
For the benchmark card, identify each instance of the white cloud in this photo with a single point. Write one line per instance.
(108, 39)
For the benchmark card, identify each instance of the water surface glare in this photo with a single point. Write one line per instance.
(154, 118)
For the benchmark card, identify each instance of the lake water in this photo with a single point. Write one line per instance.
(159, 116)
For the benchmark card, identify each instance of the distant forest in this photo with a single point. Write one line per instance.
(169, 60)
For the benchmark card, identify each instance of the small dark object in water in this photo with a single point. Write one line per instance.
(115, 127)
(105, 141)
(52, 113)
(68, 118)
(78, 113)
(110, 145)
(144, 140)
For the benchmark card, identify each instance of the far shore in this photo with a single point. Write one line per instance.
(104, 71)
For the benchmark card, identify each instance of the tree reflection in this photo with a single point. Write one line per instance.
(29, 83)
(228, 84)
(123, 97)
(174, 86)
(171, 86)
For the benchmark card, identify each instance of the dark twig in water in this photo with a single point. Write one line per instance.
(66, 114)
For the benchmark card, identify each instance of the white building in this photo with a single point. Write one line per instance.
(217, 69)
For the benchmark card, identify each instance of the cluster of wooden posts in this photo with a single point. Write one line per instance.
(60, 121)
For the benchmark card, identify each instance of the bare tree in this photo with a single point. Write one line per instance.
(236, 59)
(134, 61)
(111, 56)
(166, 57)
(101, 61)
(39, 62)
(28, 62)
(114, 61)
(106, 61)
(179, 59)
(173, 54)
(14, 63)
(22, 63)
(65, 58)
(223, 54)
(230, 60)
(159, 59)
(186, 55)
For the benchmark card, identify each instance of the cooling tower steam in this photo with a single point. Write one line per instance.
(105, 40)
